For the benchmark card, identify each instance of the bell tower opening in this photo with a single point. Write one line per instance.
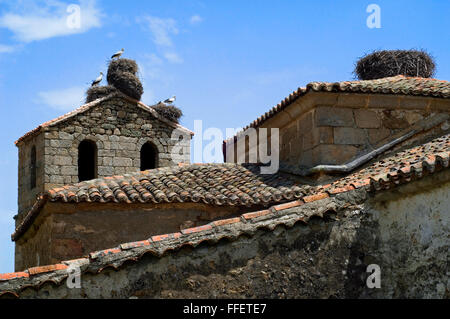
(149, 156)
(87, 160)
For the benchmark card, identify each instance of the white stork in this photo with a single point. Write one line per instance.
(117, 54)
(97, 80)
(170, 100)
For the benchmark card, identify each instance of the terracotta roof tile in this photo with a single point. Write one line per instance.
(158, 245)
(243, 185)
(435, 154)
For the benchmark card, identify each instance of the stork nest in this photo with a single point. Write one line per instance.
(386, 63)
(122, 65)
(170, 112)
(97, 92)
(122, 74)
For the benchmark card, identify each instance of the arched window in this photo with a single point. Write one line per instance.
(33, 167)
(87, 160)
(149, 156)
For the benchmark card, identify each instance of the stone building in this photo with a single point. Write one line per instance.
(363, 180)
(110, 136)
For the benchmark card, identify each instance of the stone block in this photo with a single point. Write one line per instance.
(305, 123)
(376, 135)
(333, 116)
(350, 136)
(62, 160)
(394, 120)
(105, 170)
(366, 118)
(122, 161)
(65, 136)
(333, 154)
(69, 170)
(56, 179)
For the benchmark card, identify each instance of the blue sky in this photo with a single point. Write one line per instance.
(227, 61)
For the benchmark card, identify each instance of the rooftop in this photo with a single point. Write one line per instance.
(232, 184)
(400, 85)
(401, 167)
(94, 103)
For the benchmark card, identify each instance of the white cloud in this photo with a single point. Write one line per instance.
(51, 19)
(162, 29)
(152, 59)
(195, 19)
(6, 48)
(172, 57)
(64, 99)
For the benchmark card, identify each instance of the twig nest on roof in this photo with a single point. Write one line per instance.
(97, 92)
(386, 63)
(122, 74)
(122, 65)
(170, 112)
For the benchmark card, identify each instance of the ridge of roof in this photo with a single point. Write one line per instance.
(85, 107)
(241, 185)
(399, 84)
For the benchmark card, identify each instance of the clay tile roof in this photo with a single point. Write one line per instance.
(287, 214)
(400, 84)
(89, 105)
(401, 167)
(243, 185)
(215, 184)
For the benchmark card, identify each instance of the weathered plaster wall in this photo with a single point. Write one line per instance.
(414, 243)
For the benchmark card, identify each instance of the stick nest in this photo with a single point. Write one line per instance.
(386, 63)
(97, 92)
(122, 74)
(170, 112)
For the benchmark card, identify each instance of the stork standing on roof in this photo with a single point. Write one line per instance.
(170, 100)
(97, 80)
(117, 54)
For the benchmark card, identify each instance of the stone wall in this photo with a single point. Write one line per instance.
(336, 135)
(335, 128)
(119, 129)
(35, 250)
(27, 195)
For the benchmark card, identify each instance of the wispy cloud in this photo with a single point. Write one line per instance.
(195, 19)
(162, 31)
(64, 99)
(50, 18)
(6, 48)
(173, 57)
